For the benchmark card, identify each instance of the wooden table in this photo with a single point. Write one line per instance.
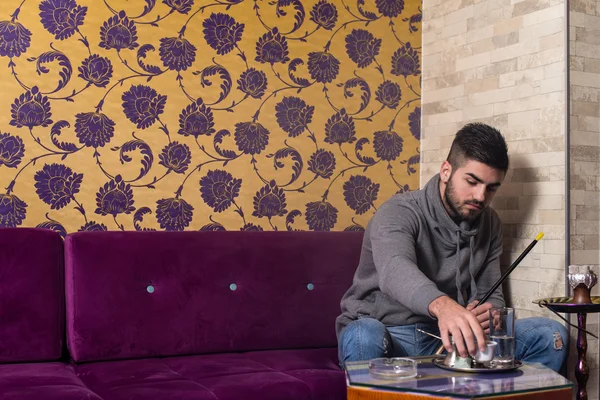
(530, 382)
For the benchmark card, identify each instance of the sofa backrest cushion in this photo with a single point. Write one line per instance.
(140, 294)
(32, 295)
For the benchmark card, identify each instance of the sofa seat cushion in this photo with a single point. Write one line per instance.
(42, 381)
(266, 375)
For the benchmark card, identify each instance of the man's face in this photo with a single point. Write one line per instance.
(469, 189)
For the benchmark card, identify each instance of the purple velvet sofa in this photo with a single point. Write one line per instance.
(172, 315)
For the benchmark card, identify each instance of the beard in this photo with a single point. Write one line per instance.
(458, 211)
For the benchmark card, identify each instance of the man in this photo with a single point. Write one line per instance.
(428, 255)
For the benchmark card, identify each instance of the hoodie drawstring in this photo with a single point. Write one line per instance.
(473, 295)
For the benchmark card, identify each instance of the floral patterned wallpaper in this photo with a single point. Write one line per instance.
(206, 114)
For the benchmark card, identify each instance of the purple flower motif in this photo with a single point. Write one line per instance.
(96, 70)
(387, 144)
(324, 14)
(176, 156)
(177, 53)
(196, 119)
(250, 227)
(390, 8)
(222, 33)
(31, 109)
(360, 193)
(174, 214)
(320, 216)
(340, 128)
(405, 61)
(94, 129)
(354, 228)
(322, 163)
(293, 115)
(142, 105)
(272, 48)
(61, 17)
(118, 33)
(253, 83)
(181, 6)
(213, 227)
(414, 123)
(269, 202)
(323, 67)
(362, 47)
(14, 39)
(93, 226)
(12, 211)
(219, 189)
(12, 150)
(389, 94)
(115, 197)
(53, 226)
(56, 184)
(251, 137)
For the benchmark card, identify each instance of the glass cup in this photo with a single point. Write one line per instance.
(502, 331)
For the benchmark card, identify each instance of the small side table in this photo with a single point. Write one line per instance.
(530, 382)
(566, 305)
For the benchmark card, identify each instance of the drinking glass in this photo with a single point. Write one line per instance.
(502, 331)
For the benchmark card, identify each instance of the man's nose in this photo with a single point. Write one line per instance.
(480, 193)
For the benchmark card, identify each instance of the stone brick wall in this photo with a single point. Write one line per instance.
(584, 136)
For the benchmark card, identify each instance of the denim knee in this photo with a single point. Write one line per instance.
(364, 339)
(542, 340)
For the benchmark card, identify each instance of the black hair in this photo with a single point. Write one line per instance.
(479, 142)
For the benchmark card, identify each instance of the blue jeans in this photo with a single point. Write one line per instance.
(539, 340)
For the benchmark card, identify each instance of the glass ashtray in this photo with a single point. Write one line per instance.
(393, 368)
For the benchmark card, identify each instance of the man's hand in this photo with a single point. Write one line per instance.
(462, 324)
(481, 313)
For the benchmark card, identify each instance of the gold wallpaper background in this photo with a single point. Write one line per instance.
(206, 114)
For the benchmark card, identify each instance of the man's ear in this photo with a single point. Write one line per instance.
(445, 171)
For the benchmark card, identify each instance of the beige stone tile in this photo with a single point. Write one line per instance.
(587, 213)
(579, 138)
(585, 153)
(529, 103)
(587, 227)
(577, 19)
(478, 112)
(544, 188)
(473, 61)
(492, 96)
(444, 106)
(520, 77)
(542, 29)
(520, 49)
(550, 231)
(429, 131)
(461, 15)
(490, 18)
(592, 199)
(482, 46)
(552, 41)
(539, 275)
(512, 189)
(530, 175)
(544, 15)
(505, 40)
(577, 196)
(454, 29)
(555, 84)
(582, 6)
(587, 36)
(553, 261)
(585, 256)
(577, 242)
(551, 289)
(584, 92)
(586, 168)
(586, 50)
(519, 216)
(545, 202)
(482, 85)
(444, 44)
(445, 118)
(592, 242)
(545, 57)
(447, 7)
(556, 69)
(585, 108)
(577, 63)
(592, 22)
(443, 94)
(593, 66)
(589, 124)
(528, 6)
(553, 246)
(557, 173)
(476, 35)
(523, 118)
(507, 26)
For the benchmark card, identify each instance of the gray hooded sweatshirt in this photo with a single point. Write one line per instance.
(413, 253)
